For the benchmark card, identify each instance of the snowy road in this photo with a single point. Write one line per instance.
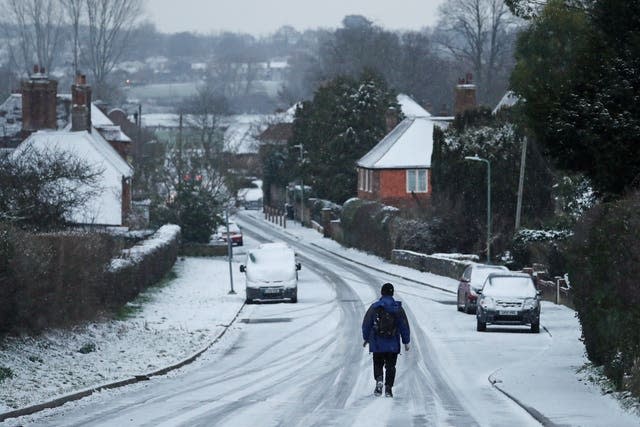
(303, 364)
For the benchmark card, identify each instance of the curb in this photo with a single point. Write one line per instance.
(385, 271)
(531, 411)
(135, 379)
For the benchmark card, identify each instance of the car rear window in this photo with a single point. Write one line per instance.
(479, 274)
(510, 287)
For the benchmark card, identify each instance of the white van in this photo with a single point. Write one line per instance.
(271, 273)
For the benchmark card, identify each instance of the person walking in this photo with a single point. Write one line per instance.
(384, 325)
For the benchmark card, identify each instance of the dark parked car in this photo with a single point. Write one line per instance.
(471, 282)
(509, 299)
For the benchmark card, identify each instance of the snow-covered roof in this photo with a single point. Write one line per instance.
(251, 194)
(410, 108)
(106, 207)
(240, 131)
(508, 100)
(104, 125)
(408, 145)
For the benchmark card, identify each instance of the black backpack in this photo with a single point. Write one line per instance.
(385, 323)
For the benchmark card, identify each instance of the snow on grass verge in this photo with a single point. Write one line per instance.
(164, 325)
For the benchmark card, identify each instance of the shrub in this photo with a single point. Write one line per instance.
(5, 373)
(87, 348)
(367, 225)
(541, 247)
(604, 261)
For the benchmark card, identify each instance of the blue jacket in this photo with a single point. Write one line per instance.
(378, 344)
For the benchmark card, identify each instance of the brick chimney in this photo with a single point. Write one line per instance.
(391, 118)
(80, 104)
(465, 95)
(38, 101)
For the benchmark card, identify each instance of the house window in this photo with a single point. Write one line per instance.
(369, 180)
(417, 181)
(365, 180)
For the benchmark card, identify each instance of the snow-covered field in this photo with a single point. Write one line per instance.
(543, 371)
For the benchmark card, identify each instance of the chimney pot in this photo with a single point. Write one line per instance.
(42, 70)
(36, 69)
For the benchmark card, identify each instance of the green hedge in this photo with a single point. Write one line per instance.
(604, 269)
(59, 279)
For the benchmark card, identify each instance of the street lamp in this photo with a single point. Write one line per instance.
(301, 184)
(479, 159)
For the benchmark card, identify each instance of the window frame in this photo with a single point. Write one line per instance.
(413, 178)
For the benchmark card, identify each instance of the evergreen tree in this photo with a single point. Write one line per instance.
(579, 71)
(459, 186)
(345, 120)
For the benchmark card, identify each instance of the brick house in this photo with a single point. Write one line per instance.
(397, 170)
(86, 133)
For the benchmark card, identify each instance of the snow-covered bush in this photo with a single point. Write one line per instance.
(544, 247)
(142, 265)
(367, 225)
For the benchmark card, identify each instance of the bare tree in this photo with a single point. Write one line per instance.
(36, 28)
(73, 9)
(236, 65)
(110, 24)
(476, 32)
(38, 189)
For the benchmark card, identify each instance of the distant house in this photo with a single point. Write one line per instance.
(397, 170)
(85, 132)
(275, 135)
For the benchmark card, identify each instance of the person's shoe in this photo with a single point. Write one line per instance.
(388, 392)
(378, 389)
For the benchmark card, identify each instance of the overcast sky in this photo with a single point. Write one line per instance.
(261, 17)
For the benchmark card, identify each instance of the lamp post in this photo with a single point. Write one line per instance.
(479, 159)
(301, 184)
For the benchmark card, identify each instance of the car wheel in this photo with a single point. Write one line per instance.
(535, 327)
(248, 301)
(294, 298)
(458, 302)
(467, 308)
(481, 326)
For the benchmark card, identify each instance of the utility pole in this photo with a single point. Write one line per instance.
(301, 184)
(521, 182)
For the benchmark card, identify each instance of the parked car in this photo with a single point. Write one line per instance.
(508, 299)
(271, 272)
(234, 232)
(471, 282)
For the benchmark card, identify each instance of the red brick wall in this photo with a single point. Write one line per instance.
(390, 187)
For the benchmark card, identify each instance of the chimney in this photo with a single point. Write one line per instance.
(465, 95)
(391, 118)
(38, 102)
(80, 104)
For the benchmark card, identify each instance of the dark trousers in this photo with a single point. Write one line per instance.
(388, 361)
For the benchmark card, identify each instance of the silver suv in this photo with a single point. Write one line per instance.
(509, 299)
